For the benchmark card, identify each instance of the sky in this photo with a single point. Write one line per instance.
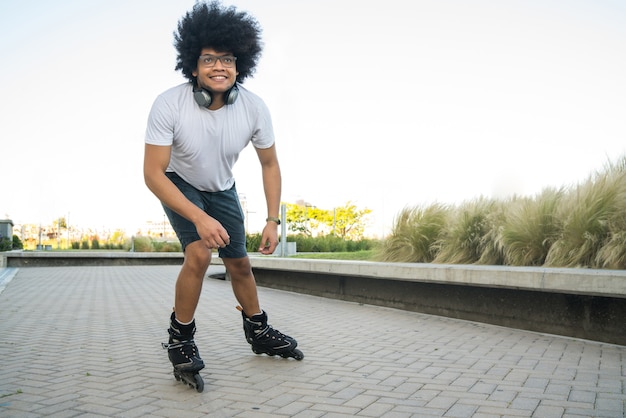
(382, 104)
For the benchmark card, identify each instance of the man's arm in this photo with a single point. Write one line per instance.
(272, 187)
(156, 160)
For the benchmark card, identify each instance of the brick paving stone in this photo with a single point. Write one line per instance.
(293, 408)
(68, 413)
(395, 413)
(582, 396)
(376, 409)
(549, 411)
(525, 403)
(140, 411)
(460, 410)
(362, 401)
(561, 389)
(89, 343)
(443, 402)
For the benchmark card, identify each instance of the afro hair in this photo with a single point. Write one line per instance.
(210, 25)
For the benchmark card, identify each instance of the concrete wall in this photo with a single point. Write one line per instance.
(88, 258)
(582, 303)
(589, 317)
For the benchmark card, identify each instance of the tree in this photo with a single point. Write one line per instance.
(347, 222)
(5, 244)
(17, 243)
(303, 217)
(60, 223)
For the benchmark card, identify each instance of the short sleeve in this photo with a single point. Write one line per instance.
(161, 122)
(263, 135)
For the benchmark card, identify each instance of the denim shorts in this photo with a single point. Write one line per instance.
(224, 206)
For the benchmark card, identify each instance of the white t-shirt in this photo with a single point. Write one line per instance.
(206, 143)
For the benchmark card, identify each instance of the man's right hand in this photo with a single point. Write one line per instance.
(212, 233)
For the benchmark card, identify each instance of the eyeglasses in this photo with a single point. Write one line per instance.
(209, 60)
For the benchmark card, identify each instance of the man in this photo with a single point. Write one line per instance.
(194, 136)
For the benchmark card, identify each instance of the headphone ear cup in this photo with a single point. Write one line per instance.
(231, 95)
(203, 98)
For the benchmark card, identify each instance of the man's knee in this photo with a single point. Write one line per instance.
(197, 256)
(238, 267)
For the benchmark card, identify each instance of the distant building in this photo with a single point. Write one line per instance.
(6, 228)
(157, 229)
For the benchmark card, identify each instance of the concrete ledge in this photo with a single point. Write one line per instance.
(572, 281)
(610, 283)
(588, 304)
(92, 258)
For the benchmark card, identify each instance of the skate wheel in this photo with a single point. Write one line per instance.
(297, 354)
(199, 382)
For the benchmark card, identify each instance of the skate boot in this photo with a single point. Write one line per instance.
(265, 339)
(183, 353)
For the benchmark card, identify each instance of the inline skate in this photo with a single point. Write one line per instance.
(183, 353)
(266, 340)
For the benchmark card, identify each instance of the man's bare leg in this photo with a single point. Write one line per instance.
(181, 348)
(260, 335)
(190, 279)
(243, 283)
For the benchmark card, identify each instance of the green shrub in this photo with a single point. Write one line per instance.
(531, 227)
(463, 239)
(143, 245)
(587, 214)
(415, 232)
(253, 242)
(491, 247)
(305, 243)
(8, 244)
(612, 254)
(362, 245)
(166, 246)
(173, 247)
(583, 226)
(17, 243)
(5, 244)
(330, 244)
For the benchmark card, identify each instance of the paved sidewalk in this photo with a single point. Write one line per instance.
(85, 341)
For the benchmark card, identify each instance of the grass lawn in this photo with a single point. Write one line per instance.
(355, 255)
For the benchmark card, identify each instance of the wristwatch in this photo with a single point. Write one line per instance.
(273, 219)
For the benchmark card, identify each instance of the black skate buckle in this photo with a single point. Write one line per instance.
(173, 346)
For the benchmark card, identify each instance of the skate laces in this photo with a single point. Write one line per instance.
(269, 331)
(265, 334)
